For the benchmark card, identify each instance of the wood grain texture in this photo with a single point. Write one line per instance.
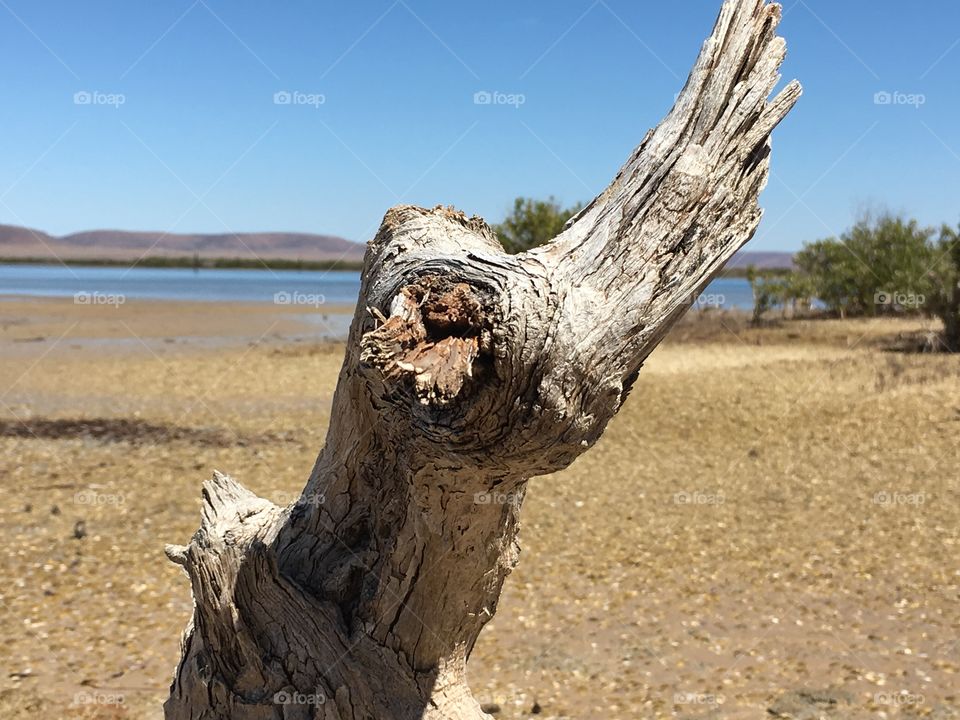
(467, 372)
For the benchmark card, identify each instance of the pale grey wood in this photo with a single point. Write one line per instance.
(467, 372)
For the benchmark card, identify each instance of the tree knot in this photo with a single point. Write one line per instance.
(435, 341)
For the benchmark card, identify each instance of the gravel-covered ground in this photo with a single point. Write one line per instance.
(770, 528)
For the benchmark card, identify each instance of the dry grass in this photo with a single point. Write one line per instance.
(767, 514)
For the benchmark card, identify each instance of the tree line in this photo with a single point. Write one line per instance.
(884, 264)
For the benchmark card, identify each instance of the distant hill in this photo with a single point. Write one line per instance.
(117, 245)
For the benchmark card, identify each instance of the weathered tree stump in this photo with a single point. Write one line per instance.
(467, 372)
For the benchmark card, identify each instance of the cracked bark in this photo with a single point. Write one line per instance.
(467, 372)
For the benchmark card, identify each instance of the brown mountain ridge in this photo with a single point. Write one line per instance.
(19, 243)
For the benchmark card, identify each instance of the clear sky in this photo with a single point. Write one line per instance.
(146, 115)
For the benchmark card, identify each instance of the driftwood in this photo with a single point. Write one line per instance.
(467, 372)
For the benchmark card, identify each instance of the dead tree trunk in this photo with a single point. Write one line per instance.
(467, 372)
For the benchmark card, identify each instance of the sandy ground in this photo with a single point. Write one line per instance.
(771, 524)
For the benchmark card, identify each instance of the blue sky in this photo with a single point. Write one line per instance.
(176, 126)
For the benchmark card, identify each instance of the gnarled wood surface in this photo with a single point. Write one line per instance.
(467, 372)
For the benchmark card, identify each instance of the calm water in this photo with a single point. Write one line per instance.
(331, 287)
(285, 287)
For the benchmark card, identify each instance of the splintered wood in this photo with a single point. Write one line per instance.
(431, 342)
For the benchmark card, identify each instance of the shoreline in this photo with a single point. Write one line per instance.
(331, 309)
(32, 326)
(35, 325)
(738, 272)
